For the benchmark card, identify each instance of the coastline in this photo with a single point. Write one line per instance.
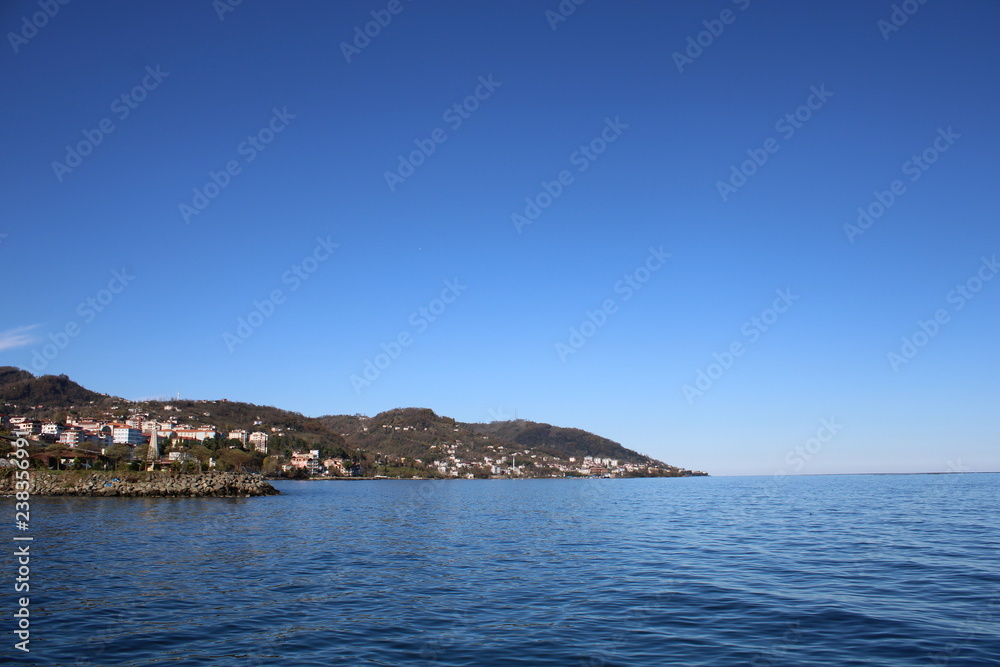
(130, 484)
(466, 479)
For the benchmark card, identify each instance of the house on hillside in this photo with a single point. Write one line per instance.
(51, 428)
(259, 441)
(199, 434)
(123, 434)
(27, 428)
(308, 460)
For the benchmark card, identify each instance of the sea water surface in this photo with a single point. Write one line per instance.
(826, 570)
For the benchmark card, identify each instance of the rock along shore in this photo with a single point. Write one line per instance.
(143, 484)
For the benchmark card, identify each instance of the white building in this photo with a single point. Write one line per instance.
(27, 428)
(308, 460)
(71, 436)
(240, 435)
(259, 441)
(86, 439)
(199, 434)
(122, 434)
(51, 428)
(89, 424)
(336, 466)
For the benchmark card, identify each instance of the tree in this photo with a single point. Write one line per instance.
(201, 452)
(298, 473)
(271, 465)
(235, 458)
(216, 443)
(119, 452)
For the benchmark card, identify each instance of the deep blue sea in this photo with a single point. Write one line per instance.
(823, 570)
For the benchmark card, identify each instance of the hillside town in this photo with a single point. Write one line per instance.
(151, 443)
(69, 426)
(99, 435)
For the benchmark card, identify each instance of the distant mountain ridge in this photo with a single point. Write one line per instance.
(557, 440)
(413, 431)
(397, 434)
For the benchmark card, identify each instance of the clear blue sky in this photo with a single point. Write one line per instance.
(672, 130)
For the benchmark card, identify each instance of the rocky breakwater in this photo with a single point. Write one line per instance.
(144, 484)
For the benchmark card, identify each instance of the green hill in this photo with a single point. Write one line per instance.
(558, 441)
(21, 388)
(402, 441)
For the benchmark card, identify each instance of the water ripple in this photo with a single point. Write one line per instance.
(812, 571)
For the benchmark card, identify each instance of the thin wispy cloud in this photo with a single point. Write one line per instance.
(18, 337)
